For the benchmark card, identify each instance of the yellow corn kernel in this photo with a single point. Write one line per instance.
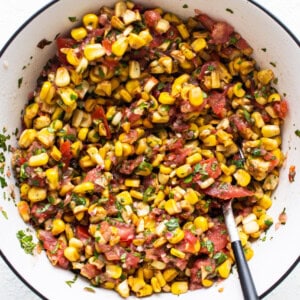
(78, 33)
(62, 77)
(37, 194)
(274, 97)
(191, 196)
(172, 207)
(136, 283)
(258, 119)
(136, 194)
(58, 226)
(159, 119)
(177, 236)
(201, 223)
(71, 254)
(134, 69)
(210, 141)
(207, 282)
(95, 156)
(243, 237)
(170, 274)
(172, 18)
(242, 177)
(113, 271)
(246, 67)
(117, 23)
(265, 76)
(84, 187)
(215, 79)
(160, 278)
(136, 41)
(225, 268)
(196, 96)
(177, 253)
(179, 287)
(162, 26)
(183, 31)
(120, 46)
(248, 251)
(55, 153)
(124, 198)
(146, 290)
(24, 190)
(155, 285)
(118, 149)
(167, 63)
(125, 95)
(159, 242)
(199, 44)
(31, 110)
(177, 84)
(166, 98)
(27, 137)
(194, 158)
(184, 171)
(93, 51)
(132, 182)
(24, 210)
(270, 131)
(90, 21)
(187, 52)
(67, 95)
(269, 144)
(52, 178)
(265, 202)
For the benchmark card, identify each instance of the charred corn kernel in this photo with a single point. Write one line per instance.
(71, 254)
(196, 96)
(184, 171)
(166, 98)
(55, 153)
(120, 46)
(124, 198)
(52, 178)
(258, 119)
(274, 97)
(113, 271)
(179, 287)
(194, 158)
(270, 130)
(199, 44)
(78, 33)
(265, 76)
(58, 226)
(27, 137)
(172, 207)
(242, 177)
(62, 77)
(177, 236)
(93, 51)
(238, 90)
(38, 160)
(269, 144)
(265, 202)
(167, 63)
(120, 8)
(132, 182)
(37, 194)
(191, 196)
(95, 156)
(118, 149)
(246, 67)
(177, 253)
(84, 187)
(90, 21)
(117, 23)
(183, 31)
(210, 141)
(170, 274)
(24, 210)
(146, 290)
(155, 285)
(225, 268)
(134, 69)
(129, 16)
(201, 223)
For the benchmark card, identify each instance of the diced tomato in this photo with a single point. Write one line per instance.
(157, 41)
(243, 45)
(205, 20)
(172, 33)
(177, 157)
(82, 233)
(129, 165)
(106, 43)
(200, 265)
(110, 62)
(126, 233)
(211, 167)
(221, 32)
(21, 161)
(239, 123)
(189, 243)
(131, 261)
(62, 42)
(217, 101)
(218, 236)
(65, 149)
(99, 113)
(281, 108)
(151, 17)
(226, 191)
(206, 67)
(89, 271)
(175, 145)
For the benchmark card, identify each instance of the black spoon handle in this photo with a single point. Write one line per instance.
(247, 284)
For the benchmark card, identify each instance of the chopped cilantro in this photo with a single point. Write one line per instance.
(185, 6)
(220, 257)
(89, 289)
(247, 116)
(70, 282)
(160, 86)
(78, 199)
(4, 213)
(211, 68)
(233, 40)
(209, 245)
(273, 64)
(101, 73)
(3, 182)
(72, 19)
(188, 179)
(268, 222)
(20, 80)
(26, 242)
(172, 224)
(123, 257)
(229, 10)
(256, 152)
(264, 49)
(297, 132)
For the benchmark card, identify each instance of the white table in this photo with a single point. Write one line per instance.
(13, 13)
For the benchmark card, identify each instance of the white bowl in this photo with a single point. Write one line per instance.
(273, 257)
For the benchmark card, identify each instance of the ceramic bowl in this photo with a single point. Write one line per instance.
(273, 257)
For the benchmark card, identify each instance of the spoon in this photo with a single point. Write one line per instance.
(247, 284)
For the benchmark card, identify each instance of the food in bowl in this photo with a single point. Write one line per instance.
(131, 142)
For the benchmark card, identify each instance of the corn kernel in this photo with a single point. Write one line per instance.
(176, 237)
(177, 253)
(179, 287)
(265, 76)
(196, 96)
(27, 137)
(37, 194)
(166, 98)
(113, 271)
(132, 182)
(90, 20)
(71, 254)
(78, 33)
(199, 44)
(120, 46)
(270, 131)
(242, 177)
(201, 223)
(183, 31)
(24, 210)
(93, 51)
(191, 196)
(58, 226)
(184, 171)
(84, 187)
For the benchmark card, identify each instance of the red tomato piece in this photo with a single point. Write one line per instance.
(189, 243)
(89, 271)
(65, 149)
(82, 233)
(126, 233)
(62, 42)
(217, 101)
(221, 32)
(218, 236)
(106, 43)
(99, 113)
(211, 166)
(151, 17)
(226, 191)
(281, 108)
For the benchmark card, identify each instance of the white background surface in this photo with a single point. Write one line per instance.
(13, 13)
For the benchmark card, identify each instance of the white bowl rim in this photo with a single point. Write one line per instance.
(45, 7)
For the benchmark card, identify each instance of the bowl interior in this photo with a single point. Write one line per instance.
(20, 70)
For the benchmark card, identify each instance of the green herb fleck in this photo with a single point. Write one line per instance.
(185, 6)
(26, 242)
(70, 282)
(89, 289)
(188, 179)
(268, 222)
(72, 19)
(297, 132)
(273, 64)
(211, 68)
(220, 257)
(78, 200)
(233, 40)
(3, 182)
(256, 152)
(229, 10)
(209, 245)
(172, 224)
(20, 80)
(160, 86)
(123, 257)
(264, 49)
(4, 213)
